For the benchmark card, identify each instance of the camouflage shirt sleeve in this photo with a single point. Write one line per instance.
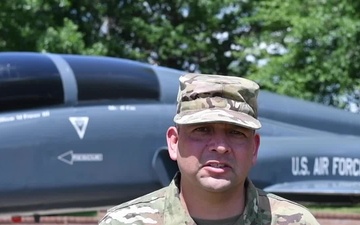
(143, 210)
(162, 207)
(268, 209)
(286, 212)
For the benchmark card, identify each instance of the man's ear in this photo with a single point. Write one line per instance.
(256, 148)
(172, 138)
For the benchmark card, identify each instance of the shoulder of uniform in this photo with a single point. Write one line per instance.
(285, 209)
(149, 203)
(279, 200)
(142, 200)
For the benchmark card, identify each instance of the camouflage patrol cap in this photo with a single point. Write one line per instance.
(215, 98)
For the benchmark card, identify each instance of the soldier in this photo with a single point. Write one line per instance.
(215, 144)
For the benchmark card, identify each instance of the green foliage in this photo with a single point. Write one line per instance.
(64, 39)
(67, 39)
(350, 208)
(321, 39)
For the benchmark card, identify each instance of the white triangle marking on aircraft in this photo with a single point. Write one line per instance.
(80, 125)
(63, 158)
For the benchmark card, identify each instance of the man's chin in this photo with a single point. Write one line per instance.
(215, 184)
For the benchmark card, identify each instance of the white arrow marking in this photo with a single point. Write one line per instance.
(70, 157)
(80, 125)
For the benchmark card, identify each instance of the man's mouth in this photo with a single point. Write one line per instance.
(217, 165)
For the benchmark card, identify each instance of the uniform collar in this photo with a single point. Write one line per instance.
(174, 211)
(176, 214)
(253, 213)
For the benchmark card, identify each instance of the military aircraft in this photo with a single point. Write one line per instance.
(81, 132)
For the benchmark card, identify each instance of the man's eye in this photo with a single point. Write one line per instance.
(238, 133)
(202, 129)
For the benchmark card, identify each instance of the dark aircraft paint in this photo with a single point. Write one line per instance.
(89, 131)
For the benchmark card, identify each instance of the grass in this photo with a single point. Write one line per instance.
(326, 208)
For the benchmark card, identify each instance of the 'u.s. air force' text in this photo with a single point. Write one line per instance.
(325, 166)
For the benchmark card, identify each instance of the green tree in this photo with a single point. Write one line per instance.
(39, 25)
(191, 35)
(311, 49)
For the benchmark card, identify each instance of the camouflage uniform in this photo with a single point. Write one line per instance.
(202, 99)
(163, 207)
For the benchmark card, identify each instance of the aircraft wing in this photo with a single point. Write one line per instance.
(320, 191)
(318, 187)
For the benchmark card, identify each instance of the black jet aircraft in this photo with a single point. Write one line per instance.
(88, 131)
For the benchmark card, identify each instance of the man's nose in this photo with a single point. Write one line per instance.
(219, 143)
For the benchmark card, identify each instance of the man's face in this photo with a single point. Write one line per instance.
(213, 156)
